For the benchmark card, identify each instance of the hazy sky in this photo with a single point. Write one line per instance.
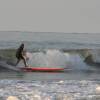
(50, 15)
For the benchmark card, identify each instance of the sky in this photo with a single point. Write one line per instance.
(82, 16)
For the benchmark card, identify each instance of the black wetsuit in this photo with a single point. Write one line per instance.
(19, 54)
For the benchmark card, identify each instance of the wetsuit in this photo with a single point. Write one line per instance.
(20, 55)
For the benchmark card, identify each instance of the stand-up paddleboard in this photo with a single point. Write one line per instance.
(41, 69)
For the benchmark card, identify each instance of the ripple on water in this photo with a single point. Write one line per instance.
(46, 90)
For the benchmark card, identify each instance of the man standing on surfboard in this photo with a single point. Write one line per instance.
(21, 55)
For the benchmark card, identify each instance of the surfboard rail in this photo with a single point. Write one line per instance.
(41, 69)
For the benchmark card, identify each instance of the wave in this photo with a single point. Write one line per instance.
(75, 59)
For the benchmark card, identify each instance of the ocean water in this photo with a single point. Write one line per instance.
(79, 52)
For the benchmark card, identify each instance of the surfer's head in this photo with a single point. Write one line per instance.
(22, 45)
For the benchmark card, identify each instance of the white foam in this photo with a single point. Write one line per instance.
(52, 58)
(56, 58)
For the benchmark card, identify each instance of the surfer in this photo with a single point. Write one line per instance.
(21, 55)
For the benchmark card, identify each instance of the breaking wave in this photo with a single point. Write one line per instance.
(75, 59)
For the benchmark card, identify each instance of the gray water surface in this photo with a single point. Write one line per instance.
(68, 50)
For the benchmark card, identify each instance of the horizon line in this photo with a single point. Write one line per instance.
(52, 32)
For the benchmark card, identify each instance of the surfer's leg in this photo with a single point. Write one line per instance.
(24, 60)
(17, 62)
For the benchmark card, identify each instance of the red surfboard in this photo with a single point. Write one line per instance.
(41, 69)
